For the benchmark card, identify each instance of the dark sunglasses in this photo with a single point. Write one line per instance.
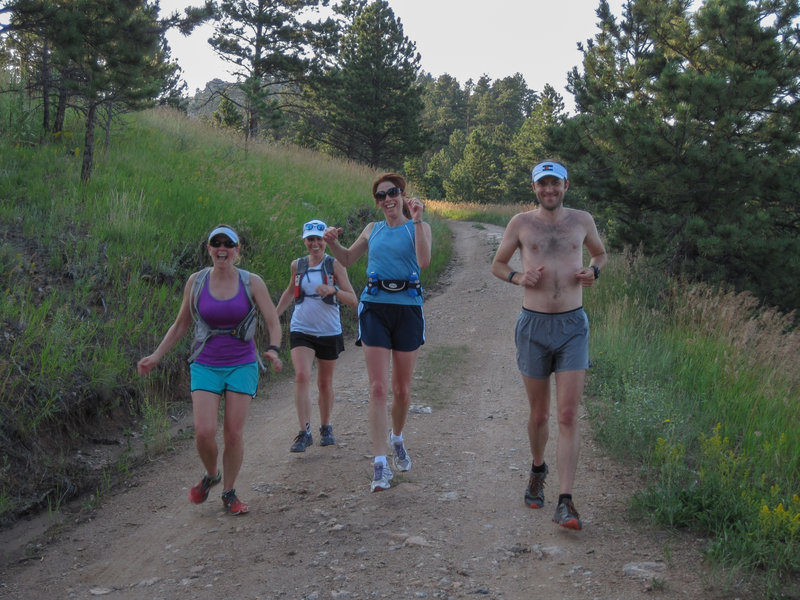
(391, 192)
(317, 226)
(226, 243)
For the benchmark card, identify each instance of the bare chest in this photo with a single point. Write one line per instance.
(554, 241)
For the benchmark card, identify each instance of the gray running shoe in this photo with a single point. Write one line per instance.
(400, 458)
(381, 478)
(534, 494)
(326, 436)
(567, 516)
(302, 441)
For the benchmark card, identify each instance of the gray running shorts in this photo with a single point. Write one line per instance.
(552, 342)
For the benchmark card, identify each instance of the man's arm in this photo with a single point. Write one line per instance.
(508, 246)
(597, 252)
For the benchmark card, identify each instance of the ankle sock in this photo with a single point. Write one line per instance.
(380, 460)
(564, 497)
(396, 439)
(540, 469)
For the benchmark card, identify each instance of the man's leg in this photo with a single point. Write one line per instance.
(538, 391)
(569, 389)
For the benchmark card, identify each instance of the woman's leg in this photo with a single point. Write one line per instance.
(325, 386)
(205, 406)
(236, 406)
(402, 374)
(302, 360)
(377, 359)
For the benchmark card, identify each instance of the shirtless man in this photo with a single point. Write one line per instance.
(552, 330)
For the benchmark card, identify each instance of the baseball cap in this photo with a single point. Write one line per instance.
(314, 227)
(226, 231)
(549, 169)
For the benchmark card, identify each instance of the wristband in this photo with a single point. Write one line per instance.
(276, 348)
(417, 222)
(596, 271)
(511, 276)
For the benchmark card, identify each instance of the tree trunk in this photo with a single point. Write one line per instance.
(61, 110)
(45, 75)
(88, 145)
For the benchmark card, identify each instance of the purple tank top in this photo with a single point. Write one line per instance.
(225, 350)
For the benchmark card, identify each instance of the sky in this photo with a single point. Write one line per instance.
(498, 38)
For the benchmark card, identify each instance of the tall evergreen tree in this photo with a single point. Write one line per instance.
(368, 105)
(270, 48)
(445, 109)
(478, 176)
(689, 130)
(531, 145)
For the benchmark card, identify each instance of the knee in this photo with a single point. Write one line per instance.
(539, 419)
(325, 388)
(378, 391)
(302, 377)
(233, 437)
(205, 435)
(568, 417)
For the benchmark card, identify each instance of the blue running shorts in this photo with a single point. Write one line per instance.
(552, 342)
(242, 379)
(394, 326)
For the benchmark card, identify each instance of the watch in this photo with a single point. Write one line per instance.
(596, 271)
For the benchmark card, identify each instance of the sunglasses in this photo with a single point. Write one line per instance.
(226, 243)
(317, 226)
(391, 192)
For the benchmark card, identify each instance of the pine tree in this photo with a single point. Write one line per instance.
(269, 48)
(368, 105)
(688, 132)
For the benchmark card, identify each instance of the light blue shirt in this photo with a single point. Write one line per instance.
(392, 255)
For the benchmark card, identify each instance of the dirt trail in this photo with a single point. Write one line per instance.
(455, 526)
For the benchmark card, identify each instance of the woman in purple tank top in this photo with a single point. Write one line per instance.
(226, 362)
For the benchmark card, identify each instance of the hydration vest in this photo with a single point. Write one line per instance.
(244, 331)
(327, 278)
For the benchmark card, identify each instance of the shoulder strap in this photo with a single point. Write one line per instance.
(245, 275)
(302, 266)
(327, 266)
(197, 287)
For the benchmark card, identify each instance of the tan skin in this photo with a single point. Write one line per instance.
(377, 358)
(550, 240)
(223, 284)
(303, 357)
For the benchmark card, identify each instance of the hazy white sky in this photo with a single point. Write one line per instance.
(498, 38)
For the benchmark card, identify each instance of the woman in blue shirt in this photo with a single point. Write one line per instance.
(390, 318)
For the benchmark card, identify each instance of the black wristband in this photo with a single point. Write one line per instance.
(596, 271)
(510, 277)
(276, 348)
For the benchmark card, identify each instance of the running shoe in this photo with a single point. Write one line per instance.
(232, 504)
(381, 478)
(567, 516)
(302, 441)
(199, 493)
(534, 494)
(400, 458)
(326, 436)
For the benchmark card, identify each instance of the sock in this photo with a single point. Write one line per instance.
(380, 460)
(540, 469)
(308, 427)
(396, 439)
(564, 497)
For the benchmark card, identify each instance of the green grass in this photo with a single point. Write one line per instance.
(699, 388)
